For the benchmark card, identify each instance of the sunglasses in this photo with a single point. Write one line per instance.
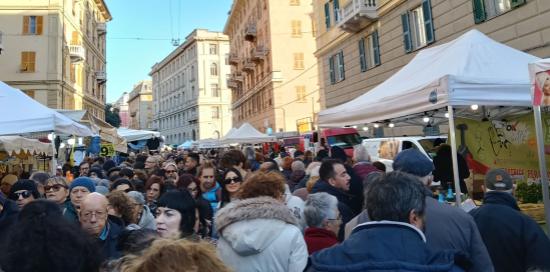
(55, 187)
(17, 195)
(231, 180)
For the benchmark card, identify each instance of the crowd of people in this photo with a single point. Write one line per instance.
(239, 210)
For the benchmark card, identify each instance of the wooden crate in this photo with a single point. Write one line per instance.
(533, 210)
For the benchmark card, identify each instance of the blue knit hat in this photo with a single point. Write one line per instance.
(84, 182)
(413, 162)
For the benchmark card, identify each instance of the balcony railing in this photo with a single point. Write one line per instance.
(101, 28)
(238, 77)
(77, 53)
(249, 65)
(231, 83)
(101, 76)
(259, 53)
(234, 59)
(357, 14)
(250, 32)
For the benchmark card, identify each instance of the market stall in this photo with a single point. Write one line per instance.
(19, 153)
(139, 139)
(247, 134)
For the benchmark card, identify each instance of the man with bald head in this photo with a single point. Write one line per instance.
(94, 220)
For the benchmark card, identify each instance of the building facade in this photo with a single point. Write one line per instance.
(274, 77)
(191, 100)
(140, 106)
(54, 50)
(361, 43)
(122, 106)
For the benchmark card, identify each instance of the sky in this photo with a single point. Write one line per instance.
(141, 31)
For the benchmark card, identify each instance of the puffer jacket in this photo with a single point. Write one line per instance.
(260, 234)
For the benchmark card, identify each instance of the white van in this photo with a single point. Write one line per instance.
(385, 149)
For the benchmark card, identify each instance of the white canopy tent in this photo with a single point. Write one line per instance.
(21, 114)
(247, 134)
(131, 135)
(17, 143)
(186, 145)
(472, 69)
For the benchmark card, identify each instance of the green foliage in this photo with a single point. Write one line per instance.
(529, 192)
(111, 115)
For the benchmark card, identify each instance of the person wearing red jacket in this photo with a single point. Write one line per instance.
(323, 220)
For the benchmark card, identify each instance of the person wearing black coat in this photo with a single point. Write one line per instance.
(356, 183)
(443, 172)
(515, 241)
(8, 216)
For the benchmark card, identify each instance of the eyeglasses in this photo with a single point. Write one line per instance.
(17, 195)
(55, 187)
(170, 171)
(90, 214)
(231, 180)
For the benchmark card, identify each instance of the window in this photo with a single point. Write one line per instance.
(369, 52)
(301, 94)
(294, 2)
(418, 30)
(215, 90)
(336, 6)
(33, 24)
(336, 67)
(28, 61)
(215, 112)
(213, 69)
(296, 29)
(487, 9)
(298, 60)
(327, 15)
(213, 49)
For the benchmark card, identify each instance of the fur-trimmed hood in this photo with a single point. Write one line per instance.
(249, 226)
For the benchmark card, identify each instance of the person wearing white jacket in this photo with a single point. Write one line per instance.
(258, 232)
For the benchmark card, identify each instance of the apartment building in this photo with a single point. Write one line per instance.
(361, 43)
(140, 106)
(54, 50)
(121, 104)
(274, 75)
(191, 100)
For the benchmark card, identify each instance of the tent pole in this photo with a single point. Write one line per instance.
(542, 164)
(53, 162)
(453, 154)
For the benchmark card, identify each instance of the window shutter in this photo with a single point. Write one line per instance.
(376, 48)
(479, 11)
(516, 3)
(39, 24)
(341, 65)
(327, 15)
(406, 32)
(336, 11)
(428, 22)
(32, 61)
(23, 61)
(331, 69)
(26, 24)
(362, 59)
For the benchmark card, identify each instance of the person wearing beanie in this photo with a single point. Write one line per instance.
(507, 231)
(447, 227)
(78, 190)
(23, 192)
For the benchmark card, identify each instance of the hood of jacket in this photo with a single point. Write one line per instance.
(251, 225)
(147, 220)
(501, 198)
(384, 246)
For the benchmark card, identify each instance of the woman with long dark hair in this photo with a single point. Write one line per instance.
(231, 184)
(191, 184)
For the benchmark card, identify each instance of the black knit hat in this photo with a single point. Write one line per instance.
(25, 184)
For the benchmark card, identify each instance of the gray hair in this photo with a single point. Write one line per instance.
(318, 208)
(360, 153)
(297, 165)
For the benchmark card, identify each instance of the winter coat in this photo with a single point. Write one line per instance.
(108, 240)
(384, 246)
(147, 220)
(260, 234)
(318, 238)
(444, 171)
(514, 240)
(295, 178)
(8, 217)
(362, 169)
(296, 206)
(449, 227)
(70, 212)
(344, 202)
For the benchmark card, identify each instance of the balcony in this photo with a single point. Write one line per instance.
(276, 76)
(77, 53)
(249, 65)
(101, 76)
(232, 84)
(238, 77)
(357, 14)
(250, 32)
(101, 28)
(259, 53)
(234, 59)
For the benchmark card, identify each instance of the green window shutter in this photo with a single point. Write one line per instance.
(406, 32)
(479, 11)
(376, 48)
(327, 15)
(428, 22)
(331, 69)
(516, 3)
(362, 59)
(336, 5)
(341, 65)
